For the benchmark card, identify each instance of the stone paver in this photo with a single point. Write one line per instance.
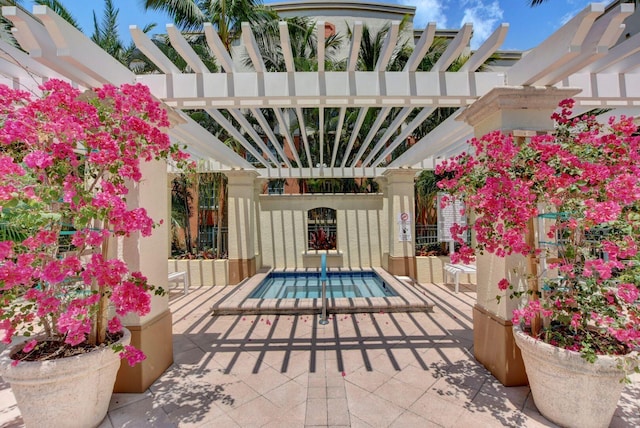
(361, 370)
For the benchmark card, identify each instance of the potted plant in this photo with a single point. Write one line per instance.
(580, 310)
(66, 160)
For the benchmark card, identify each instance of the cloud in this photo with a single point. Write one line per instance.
(427, 11)
(484, 17)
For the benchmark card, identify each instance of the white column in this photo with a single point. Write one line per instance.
(241, 220)
(153, 332)
(400, 198)
(521, 111)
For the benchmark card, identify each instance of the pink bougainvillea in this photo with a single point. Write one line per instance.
(67, 159)
(585, 178)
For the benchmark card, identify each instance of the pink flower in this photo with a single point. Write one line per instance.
(38, 159)
(114, 325)
(503, 284)
(628, 292)
(133, 355)
(29, 346)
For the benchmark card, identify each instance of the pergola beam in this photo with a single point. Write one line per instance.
(354, 48)
(619, 58)
(422, 47)
(487, 49)
(248, 128)
(236, 134)
(382, 115)
(604, 33)
(336, 141)
(185, 50)
(557, 50)
(388, 46)
(391, 129)
(284, 130)
(304, 89)
(152, 52)
(218, 49)
(37, 40)
(362, 114)
(195, 135)
(404, 134)
(454, 49)
(285, 44)
(448, 132)
(264, 124)
(320, 172)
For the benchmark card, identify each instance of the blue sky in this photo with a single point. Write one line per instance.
(528, 26)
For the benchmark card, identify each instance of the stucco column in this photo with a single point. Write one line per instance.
(400, 198)
(241, 219)
(152, 333)
(521, 111)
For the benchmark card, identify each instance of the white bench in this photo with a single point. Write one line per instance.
(177, 278)
(455, 270)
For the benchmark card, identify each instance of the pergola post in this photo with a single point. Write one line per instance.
(241, 217)
(152, 333)
(521, 111)
(400, 198)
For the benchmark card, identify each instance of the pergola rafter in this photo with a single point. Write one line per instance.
(581, 54)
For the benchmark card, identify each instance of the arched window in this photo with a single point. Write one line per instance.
(321, 229)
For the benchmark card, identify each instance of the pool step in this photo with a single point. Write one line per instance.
(410, 298)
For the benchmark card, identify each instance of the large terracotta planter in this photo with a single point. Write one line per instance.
(567, 389)
(67, 392)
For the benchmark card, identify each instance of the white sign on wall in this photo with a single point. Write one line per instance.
(448, 216)
(404, 227)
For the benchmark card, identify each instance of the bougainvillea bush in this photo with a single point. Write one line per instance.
(66, 160)
(584, 178)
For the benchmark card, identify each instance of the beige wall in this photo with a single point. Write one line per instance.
(361, 222)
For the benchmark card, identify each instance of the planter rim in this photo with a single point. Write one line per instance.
(540, 349)
(74, 362)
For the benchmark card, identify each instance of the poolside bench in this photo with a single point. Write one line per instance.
(177, 278)
(455, 270)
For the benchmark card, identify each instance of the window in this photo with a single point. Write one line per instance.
(321, 229)
(276, 187)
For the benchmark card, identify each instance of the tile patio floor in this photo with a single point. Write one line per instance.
(364, 370)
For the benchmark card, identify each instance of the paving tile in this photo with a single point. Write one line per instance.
(337, 412)
(417, 377)
(265, 380)
(399, 393)
(316, 413)
(374, 410)
(336, 392)
(317, 392)
(361, 370)
(140, 413)
(410, 420)
(255, 413)
(287, 395)
(368, 380)
(437, 410)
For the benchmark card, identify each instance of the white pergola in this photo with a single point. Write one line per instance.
(581, 54)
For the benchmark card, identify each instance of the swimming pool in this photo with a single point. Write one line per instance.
(307, 285)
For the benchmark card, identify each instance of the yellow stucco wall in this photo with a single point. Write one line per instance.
(361, 220)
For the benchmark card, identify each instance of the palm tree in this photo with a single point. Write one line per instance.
(61, 10)
(105, 34)
(303, 43)
(227, 16)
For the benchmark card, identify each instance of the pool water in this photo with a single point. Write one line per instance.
(307, 285)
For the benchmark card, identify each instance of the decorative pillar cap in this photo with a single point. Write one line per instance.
(515, 98)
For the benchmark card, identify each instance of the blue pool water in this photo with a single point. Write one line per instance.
(307, 285)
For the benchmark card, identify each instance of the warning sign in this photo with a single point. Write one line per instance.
(404, 227)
